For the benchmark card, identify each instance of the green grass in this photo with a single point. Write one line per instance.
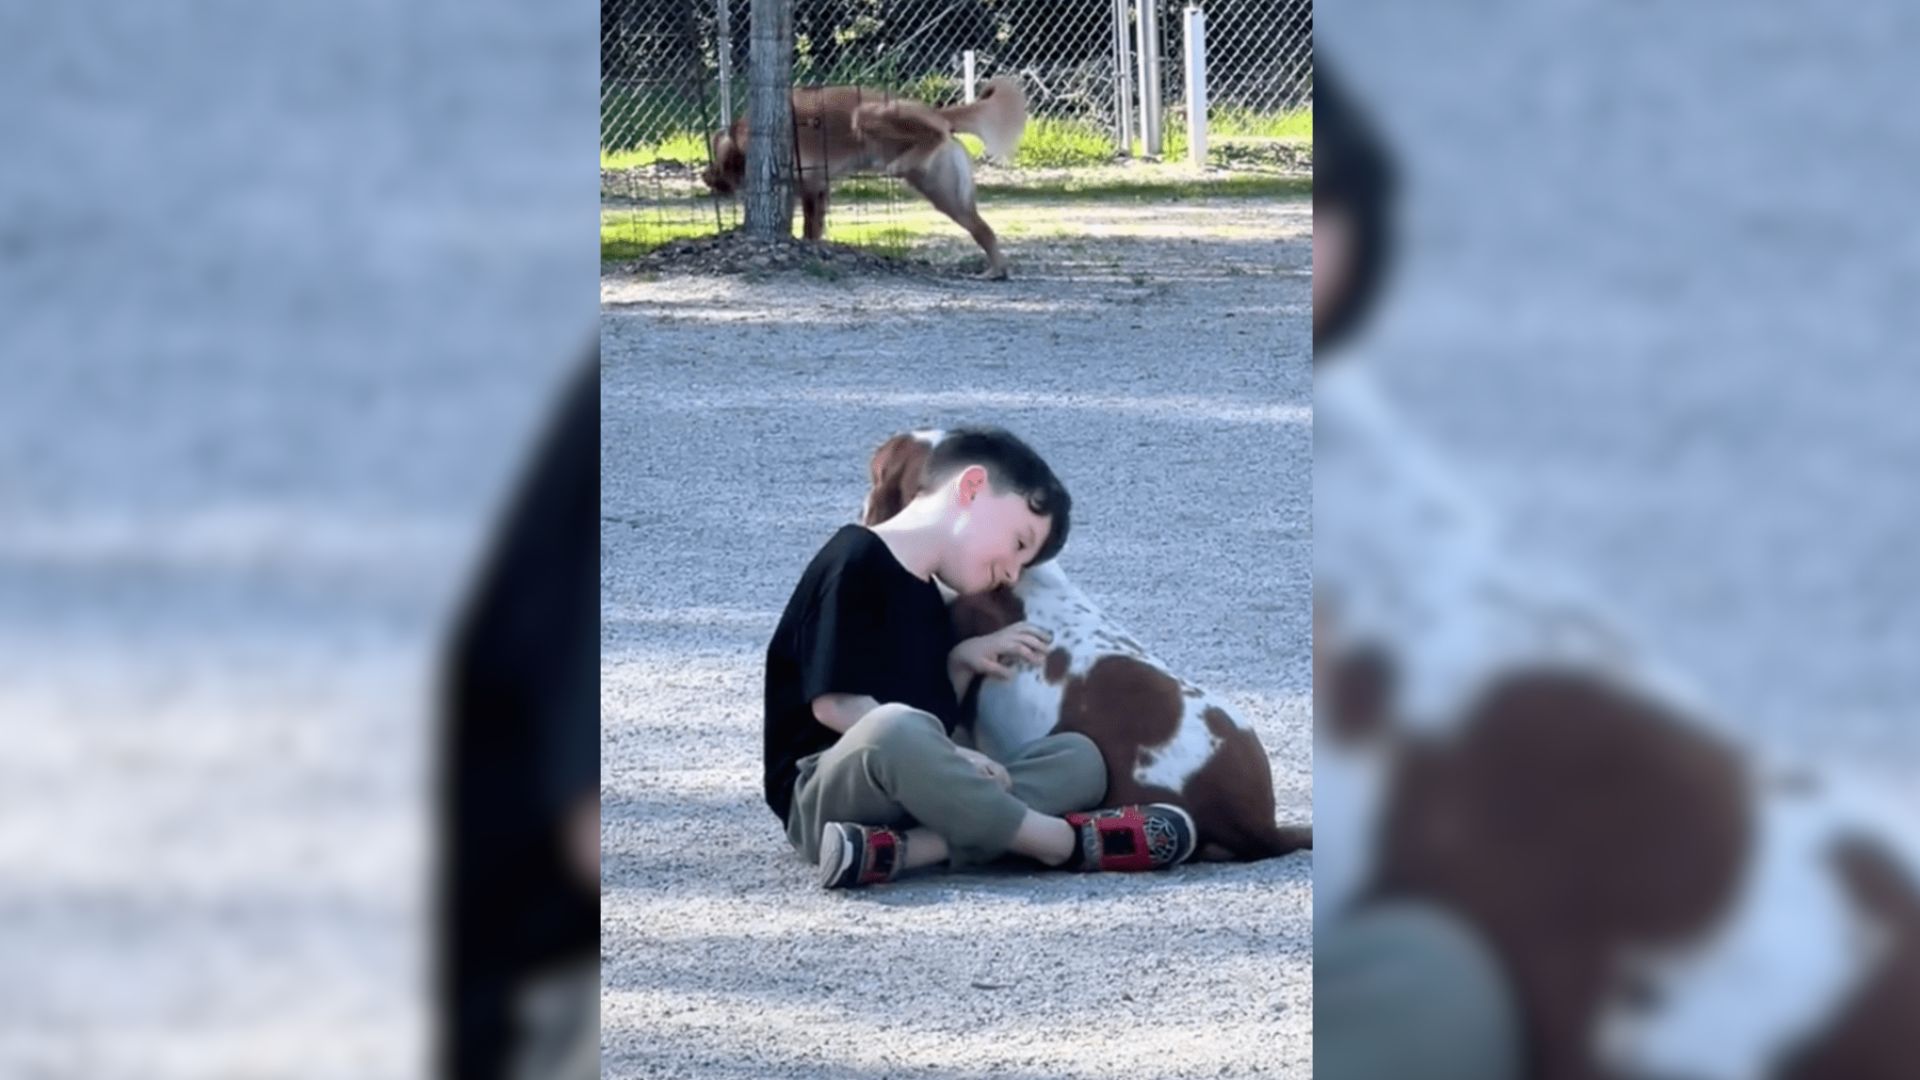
(1052, 144)
(1049, 143)
(1150, 184)
(1231, 123)
(686, 146)
(627, 233)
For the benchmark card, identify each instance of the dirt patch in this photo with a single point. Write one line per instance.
(733, 252)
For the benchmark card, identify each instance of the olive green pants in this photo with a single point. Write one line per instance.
(1406, 990)
(896, 766)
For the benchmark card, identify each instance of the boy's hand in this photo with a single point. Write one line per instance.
(992, 654)
(988, 767)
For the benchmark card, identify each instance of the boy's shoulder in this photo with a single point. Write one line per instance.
(851, 553)
(848, 544)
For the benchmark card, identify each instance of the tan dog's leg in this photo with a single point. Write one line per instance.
(947, 182)
(815, 205)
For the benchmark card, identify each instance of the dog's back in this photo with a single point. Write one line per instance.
(840, 130)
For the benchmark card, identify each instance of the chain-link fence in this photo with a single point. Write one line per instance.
(673, 70)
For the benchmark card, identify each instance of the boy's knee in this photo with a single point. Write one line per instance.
(1422, 977)
(1086, 775)
(893, 727)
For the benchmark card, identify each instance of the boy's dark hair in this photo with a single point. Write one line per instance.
(1012, 469)
(1352, 173)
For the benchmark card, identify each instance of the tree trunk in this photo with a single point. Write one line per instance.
(770, 121)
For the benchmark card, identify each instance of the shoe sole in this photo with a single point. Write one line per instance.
(1193, 833)
(836, 854)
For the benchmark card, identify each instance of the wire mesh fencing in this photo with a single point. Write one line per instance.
(674, 73)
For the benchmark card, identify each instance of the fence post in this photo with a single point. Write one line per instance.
(966, 61)
(1122, 82)
(1150, 77)
(725, 33)
(1196, 87)
(769, 193)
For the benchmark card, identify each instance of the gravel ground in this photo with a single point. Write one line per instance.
(262, 385)
(1164, 372)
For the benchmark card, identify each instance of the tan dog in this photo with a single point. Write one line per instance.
(840, 130)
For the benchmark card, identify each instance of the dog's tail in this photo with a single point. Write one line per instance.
(1271, 842)
(998, 116)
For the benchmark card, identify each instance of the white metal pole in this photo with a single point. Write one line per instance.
(725, 34)
(1150, 76)
(1122, 81)
(966, 59)
(1142, 50)
(1196, 87)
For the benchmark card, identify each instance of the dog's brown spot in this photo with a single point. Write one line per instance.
(1231, 796)
(1057, 663)
(1873, 1037)
(1124, 706)
(1568, 819)
(898, 471)
(983, 613)
(1127, 706)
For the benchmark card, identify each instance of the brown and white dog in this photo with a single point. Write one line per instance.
(1665, 903)
(1163, 739)
(841, 130)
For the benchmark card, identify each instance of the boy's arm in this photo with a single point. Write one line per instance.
(960, 672)
(839, 711)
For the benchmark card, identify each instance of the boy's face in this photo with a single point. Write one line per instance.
(994, 537)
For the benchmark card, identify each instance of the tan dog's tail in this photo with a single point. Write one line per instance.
(998, 116)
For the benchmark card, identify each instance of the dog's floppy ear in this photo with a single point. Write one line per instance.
(897, 469)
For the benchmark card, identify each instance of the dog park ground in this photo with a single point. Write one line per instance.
(1157, 353)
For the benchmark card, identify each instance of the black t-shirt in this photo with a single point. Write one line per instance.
(858, 623)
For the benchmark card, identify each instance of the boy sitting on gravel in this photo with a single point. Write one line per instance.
(864, 681)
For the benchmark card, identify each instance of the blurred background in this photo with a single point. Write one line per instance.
(1651, 295)
(1644, 325)
(290, 290)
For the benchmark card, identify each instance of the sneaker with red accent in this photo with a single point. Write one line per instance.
(855, 855)
(1150, 837)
